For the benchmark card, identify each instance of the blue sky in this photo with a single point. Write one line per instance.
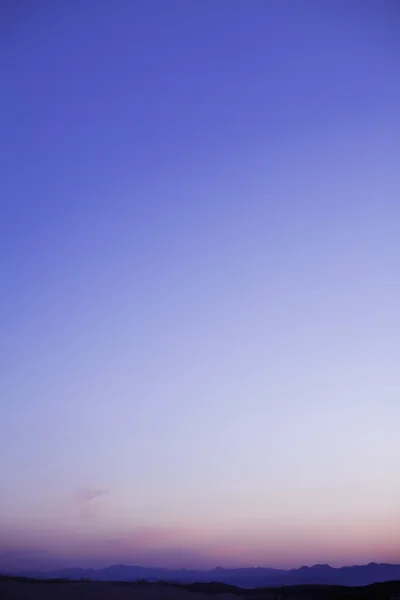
(199, 244)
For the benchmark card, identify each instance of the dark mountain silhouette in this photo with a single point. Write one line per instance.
(358, 575)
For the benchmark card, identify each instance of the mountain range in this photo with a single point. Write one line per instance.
(356, 575)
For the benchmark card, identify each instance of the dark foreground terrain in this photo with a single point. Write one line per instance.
(19, 588)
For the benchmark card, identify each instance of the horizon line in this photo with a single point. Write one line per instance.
(372, 563)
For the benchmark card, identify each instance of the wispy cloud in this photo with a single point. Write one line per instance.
(86, 497)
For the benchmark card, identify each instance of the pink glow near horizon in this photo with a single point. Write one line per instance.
(284, 547)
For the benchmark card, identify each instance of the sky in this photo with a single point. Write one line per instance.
(199, 283)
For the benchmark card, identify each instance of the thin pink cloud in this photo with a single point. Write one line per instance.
(148, 537)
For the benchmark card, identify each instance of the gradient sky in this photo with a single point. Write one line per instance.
(200, 289)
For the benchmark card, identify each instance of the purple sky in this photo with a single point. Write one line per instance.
(200, 290)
